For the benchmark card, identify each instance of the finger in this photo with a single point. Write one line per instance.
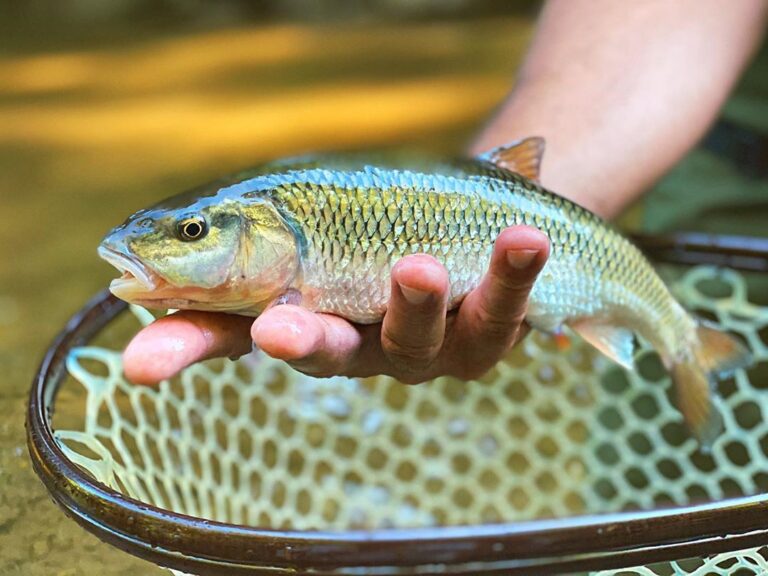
(172, 343)
(490, 317)
(318, 344)
(414, 325)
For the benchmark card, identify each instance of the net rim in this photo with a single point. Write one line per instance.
(584, 542)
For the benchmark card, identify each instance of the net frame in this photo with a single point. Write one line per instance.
(550, 546)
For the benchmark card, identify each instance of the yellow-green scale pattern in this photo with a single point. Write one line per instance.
(357, 223)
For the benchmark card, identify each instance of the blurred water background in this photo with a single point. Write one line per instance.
(108, 106)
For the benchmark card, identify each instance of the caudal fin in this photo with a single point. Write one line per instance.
(717, 355)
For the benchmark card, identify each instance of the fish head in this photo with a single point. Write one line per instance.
(203, 254)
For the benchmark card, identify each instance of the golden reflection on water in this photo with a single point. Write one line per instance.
(257, 93)
(281, 121)
(88, 135)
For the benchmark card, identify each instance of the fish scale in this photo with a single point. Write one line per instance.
(456, 220)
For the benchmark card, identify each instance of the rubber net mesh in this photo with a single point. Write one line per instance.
(547, 434)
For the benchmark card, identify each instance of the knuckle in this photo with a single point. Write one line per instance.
(513, 286)
(409, 361)
(413, 356)
(498, 324)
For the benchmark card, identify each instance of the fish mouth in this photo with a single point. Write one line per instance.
(135, 276)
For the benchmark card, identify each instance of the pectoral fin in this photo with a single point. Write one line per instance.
(615, 342)
(522, 157)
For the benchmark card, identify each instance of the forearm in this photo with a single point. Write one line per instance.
(621, 91)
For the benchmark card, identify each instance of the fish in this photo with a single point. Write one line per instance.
(330, 228)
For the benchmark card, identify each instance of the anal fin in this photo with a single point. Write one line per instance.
(614, 341)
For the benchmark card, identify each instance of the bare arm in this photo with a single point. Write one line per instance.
(622, 90)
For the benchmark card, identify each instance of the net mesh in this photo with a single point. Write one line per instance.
(546, 434)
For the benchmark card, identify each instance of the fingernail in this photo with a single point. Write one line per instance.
(412, 295)
(521, 259)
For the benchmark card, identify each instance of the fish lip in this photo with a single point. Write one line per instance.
(124, 263)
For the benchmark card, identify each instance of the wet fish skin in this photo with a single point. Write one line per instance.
(332, 229)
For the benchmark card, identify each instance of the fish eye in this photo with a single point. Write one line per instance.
(192, 228)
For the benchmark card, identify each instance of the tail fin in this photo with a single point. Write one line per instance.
(717, 355)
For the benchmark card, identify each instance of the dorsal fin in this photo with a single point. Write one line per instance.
(521, 156)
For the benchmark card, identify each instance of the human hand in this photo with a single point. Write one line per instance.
(416, 341)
